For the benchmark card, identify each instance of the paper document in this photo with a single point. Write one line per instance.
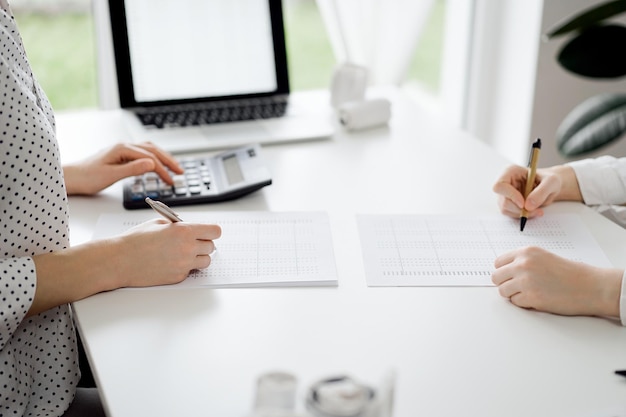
(256, 249)
(459, 250)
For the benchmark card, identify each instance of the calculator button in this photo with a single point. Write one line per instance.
(179, 181)
(165, 190)
(151, 186)
(150, 177)
(136, 188)
(180, 191)
(195, 189)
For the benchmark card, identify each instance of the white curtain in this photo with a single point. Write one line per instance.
(380, 35)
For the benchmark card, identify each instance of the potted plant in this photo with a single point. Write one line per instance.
(596, 49)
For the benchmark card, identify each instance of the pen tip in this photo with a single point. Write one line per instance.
(522, 224)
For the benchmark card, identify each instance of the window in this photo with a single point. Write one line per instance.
(311, 57)
(311, 60)
(58, 37)
(425, 69)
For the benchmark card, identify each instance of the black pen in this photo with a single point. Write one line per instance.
(163, 210)
(530, 180)
(621, 372)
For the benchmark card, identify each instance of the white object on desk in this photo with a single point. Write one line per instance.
(348, 84)
(276, 393)
(459, 250)
(358, 115)
(256, 249)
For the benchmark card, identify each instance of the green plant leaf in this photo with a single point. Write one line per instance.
(595, 52)
(592, 124)
(587, 18)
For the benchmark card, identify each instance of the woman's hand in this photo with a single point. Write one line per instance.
(556, 183)
(123, 160)
(159, 252)
(153, 253)
(535, 278)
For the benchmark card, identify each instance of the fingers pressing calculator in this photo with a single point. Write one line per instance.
(206, 179)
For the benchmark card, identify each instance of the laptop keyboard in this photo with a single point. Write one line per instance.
(215, 112)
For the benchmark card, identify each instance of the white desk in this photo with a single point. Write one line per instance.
(456, 351)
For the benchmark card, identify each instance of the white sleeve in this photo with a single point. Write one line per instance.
(18, 281)
(602, 183)
(601, 180)
(622, 301)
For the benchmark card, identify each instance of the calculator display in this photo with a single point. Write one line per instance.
(232, 169)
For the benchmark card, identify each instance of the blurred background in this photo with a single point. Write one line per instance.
(60, 42)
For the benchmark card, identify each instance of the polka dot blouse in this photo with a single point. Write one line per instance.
(38, 356)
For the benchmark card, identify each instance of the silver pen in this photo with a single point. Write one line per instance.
(163, 210)
(168, 213)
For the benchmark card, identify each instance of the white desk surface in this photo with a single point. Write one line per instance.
(455, 351)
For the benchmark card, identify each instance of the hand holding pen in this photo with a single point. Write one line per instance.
(550, 184)
(163, 210)
(524, 191)
(167, 213)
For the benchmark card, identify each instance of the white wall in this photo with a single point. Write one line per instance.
(518, 92)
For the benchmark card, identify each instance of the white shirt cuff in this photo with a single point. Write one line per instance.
(622, 301)
(601, 180)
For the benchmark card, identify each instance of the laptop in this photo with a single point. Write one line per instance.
(198, 75)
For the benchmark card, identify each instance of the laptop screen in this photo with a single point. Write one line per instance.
(170, 52)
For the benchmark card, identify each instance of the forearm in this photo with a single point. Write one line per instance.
(76, 273)
(605, 294)
(76, 181)
(69, 174)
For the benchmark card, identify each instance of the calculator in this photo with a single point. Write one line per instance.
(207, 179)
